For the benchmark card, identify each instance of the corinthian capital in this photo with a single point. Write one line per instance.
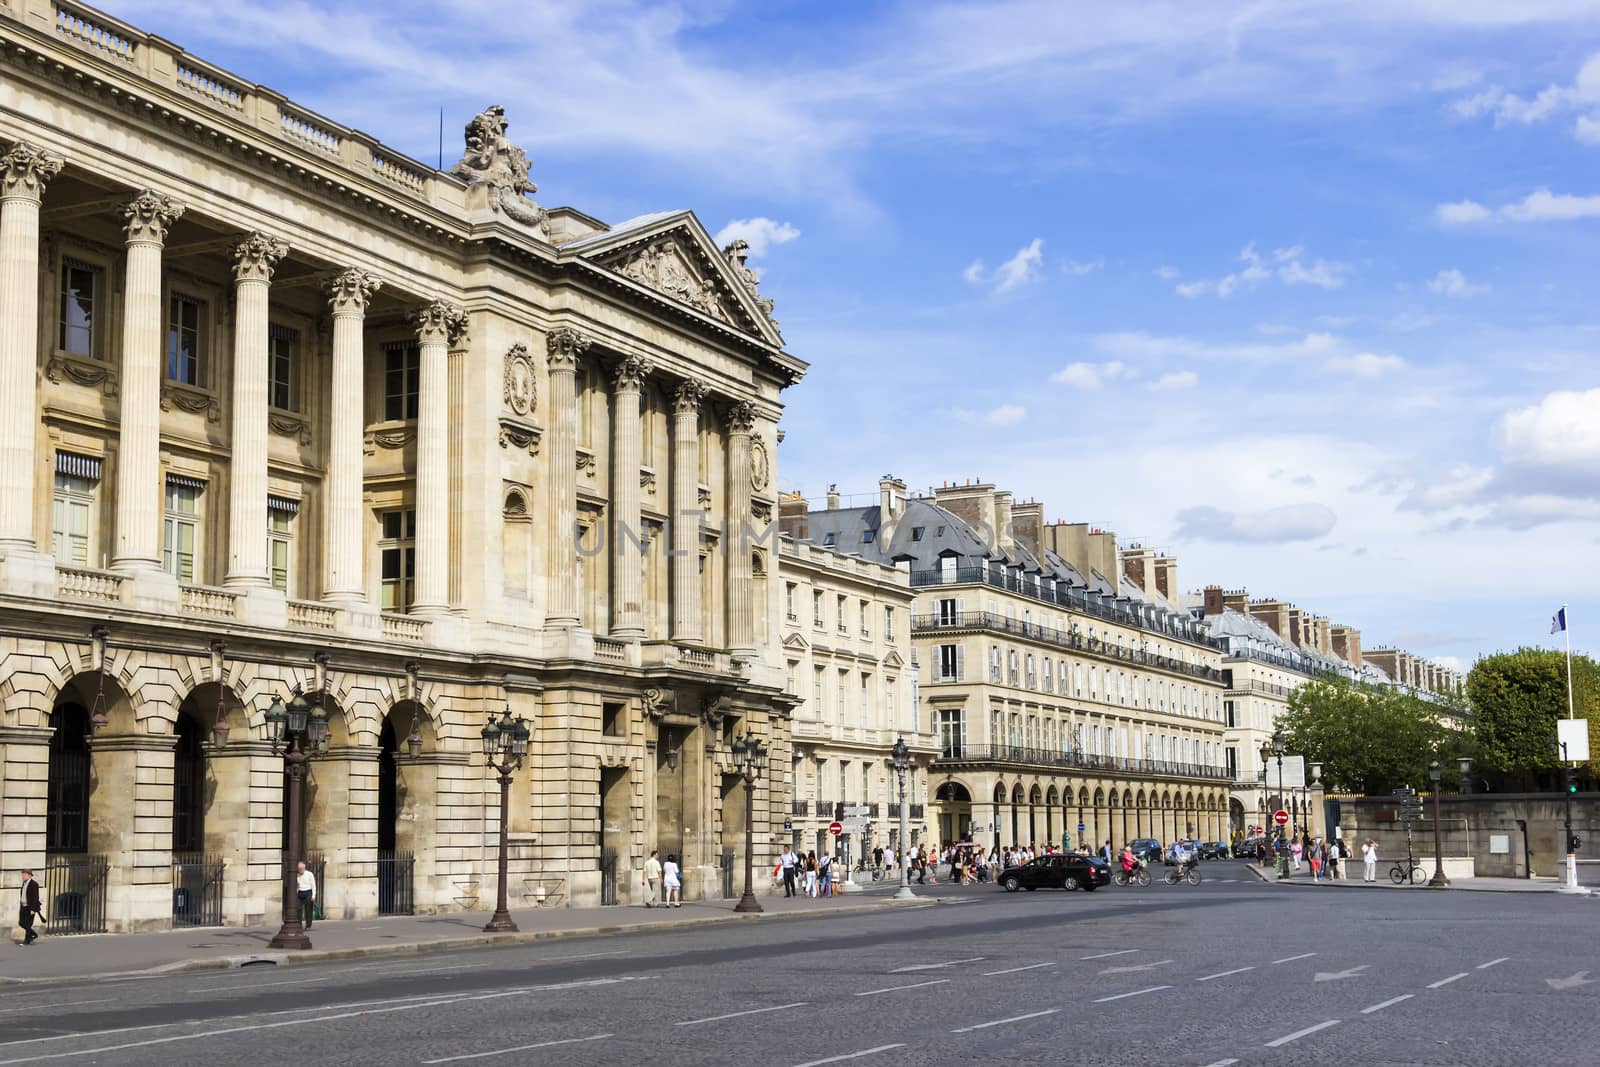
(440, 321)
(564, 347)
(741, 416)
(351, 290)
(255, 258)
(686, 400)
(25, 170)
(631, 371)
(149, 216)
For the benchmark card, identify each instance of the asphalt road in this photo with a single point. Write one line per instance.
(1231, 972)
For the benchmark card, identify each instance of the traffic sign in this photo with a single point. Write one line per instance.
(1280, 817)
(856, 826)
(1258, 829)
(857, 811)
(836, 828)
(1082, 827)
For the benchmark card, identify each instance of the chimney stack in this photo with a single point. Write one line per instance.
(1212, 603)
(1002, 520)
(1027, 521)
(1167, 577)
(891, 500)
(833, 497)
(1346, 643)
(794, 516)
(974, 503)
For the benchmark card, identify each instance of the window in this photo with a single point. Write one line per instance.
(280, 520)
(917, 532)
(1012, 670)
(1232, 756)
(816, 696)
(842, 601)
(994, 663)
(952, 732)
(180, 530)
(839, 698)
(1227, 706)
(185, 358)
(891, 717)
(613, 718)
(402, 368)
(866, 714)
(829, 539)
(73, 509)
(867, 536)
(816, 609)
(950, 663)
(80, 297)
(788, 600)
(397, 549)
(888, 624)
(283, 358)
(866, 628)
(949, 612)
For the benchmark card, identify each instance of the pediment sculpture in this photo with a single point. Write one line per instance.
(736, 252)
(661, 266)
(491, 159)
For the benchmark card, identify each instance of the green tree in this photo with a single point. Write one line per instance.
(1373, 739)
(1516, 699)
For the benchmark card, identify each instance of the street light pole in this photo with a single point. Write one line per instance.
(1438, 881)
(902, 759)
(750, 756)
(504, 745)
(302, 731)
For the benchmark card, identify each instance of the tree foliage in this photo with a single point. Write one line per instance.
(1372, 739)
(1516, 699)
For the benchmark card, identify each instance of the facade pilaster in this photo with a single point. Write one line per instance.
(439, 325)
(736, 545)
(254, 260)
(343, 578)
(149, 216)
(627, 555)
(25, 170)
(686, 512)
(564, 348)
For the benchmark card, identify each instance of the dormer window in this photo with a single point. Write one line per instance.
(867, 536)
(917, 532)
(828, 540)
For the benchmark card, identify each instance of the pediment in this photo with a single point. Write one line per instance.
(796, 642)
(673, 255)
(892, 659)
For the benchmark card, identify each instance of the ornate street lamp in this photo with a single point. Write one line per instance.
(1276, 748)
(219, 723)
(750, 757)
(414, 737)
(901, 755)
(505, 743)
(1438, 881)
(1465, 763)
(299, 731)
(99, 637)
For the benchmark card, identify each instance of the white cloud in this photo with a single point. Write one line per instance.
(761, 233)
(1020, 268)
(1290, 522)
(1288, 264)
(1561, 431)
(1173, 380)
(1462, 211)
(1075, 267)
(1364, 364)
(1004, 415)
(1541, 205)
(973, 275)
(1587, 130)
(1166, 273)
(1130, 345)
(1508, 108)
(1322, 273)
(1092, 375)
(1461, 486)
(1453, 283)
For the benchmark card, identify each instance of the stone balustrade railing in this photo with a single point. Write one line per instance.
(309, 615)
(205, 600)
(76, 583)
(610, 648)
(404, 628)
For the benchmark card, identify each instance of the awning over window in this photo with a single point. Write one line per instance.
(183, 481)
(78, 466)
(284, 504)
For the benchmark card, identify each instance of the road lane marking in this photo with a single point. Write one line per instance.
(1107, 955)
(896, 989)
(1298, 1034)
(935, 966)
(1135, 993)
(1447, 981)
(53, 1007)
(1291, 959)
(1224, 974)
(1222, 1063)
(1491, 963)
(1391, 1002)
(737, 1014)
(519, 1048)
(1014, 970)
(1137, 967)
(849, 1056)
(1002, 1022)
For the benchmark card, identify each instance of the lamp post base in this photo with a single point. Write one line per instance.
(748, 903)
(904, 893)
(291, 935)
(500, 924)
(1438, 881)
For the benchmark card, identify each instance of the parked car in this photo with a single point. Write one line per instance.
(1213, 850)
(1147, 849)
(1069, 870)
(1246, 849)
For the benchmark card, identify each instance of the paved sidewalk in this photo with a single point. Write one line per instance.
(216, 947)
(1489, 885)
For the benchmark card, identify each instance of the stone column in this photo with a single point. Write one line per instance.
(564, 348)
(344, 580)
(686, 513)
(439, 325)
(150, 216)
(254, 260)
(24, 172)
(736, 544)
(627, 552)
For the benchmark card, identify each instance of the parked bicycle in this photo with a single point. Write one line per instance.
(1407, 871)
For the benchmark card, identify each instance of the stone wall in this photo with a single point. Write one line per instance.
(1468, 823)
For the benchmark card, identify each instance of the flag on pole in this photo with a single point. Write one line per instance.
(1558, 622)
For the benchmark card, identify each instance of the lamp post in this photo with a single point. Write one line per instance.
(1275, 747)
(1316, 787)
(901, 755)
(750, 757)
(1438, 881)
(1465, 763)
(300, 730)
(504, 744)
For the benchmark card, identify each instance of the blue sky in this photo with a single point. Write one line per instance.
(1302, 293)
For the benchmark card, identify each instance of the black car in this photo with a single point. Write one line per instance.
(1070, 870)
(1147, 849)
(1213, 850)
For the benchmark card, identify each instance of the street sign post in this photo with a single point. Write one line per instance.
(836, 828)
(1280, 817)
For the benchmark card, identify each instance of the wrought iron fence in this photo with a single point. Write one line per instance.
(317, 863)
(74, 894)
(196, 889)
(725, 866)
(396, 882)
(608, 876)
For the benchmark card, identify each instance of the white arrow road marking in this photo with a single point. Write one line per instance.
(934, 966)
(850, 1056)
(1333, 976)
(897, 988)
(1014, 970)
(1106, 955)
(1298, 1034)
(1581, 978)
(1391, 1002)
(1136, 967)
(1447, 981)
(738, 1014)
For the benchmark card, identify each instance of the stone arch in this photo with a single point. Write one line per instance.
(1083, 795)
(1000, 792)
(1016, 793)
(1052, 796)
(953, 791)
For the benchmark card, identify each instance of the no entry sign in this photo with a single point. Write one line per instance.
(836, 828)
(1280, 817)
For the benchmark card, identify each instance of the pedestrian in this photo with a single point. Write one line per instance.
(811, 874)
(1335, 854)
(652, 878)
(1369, 859)
(28, 907)
(305, 891)
(1315, 859)
(1296, 851)
(788, 861)
(825, 876)
(672, 881)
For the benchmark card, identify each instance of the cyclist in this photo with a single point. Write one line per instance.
(1182, 857)
(1128, 860)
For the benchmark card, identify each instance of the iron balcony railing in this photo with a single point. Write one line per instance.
(988, 620)
(1043, 757)
(800, 807)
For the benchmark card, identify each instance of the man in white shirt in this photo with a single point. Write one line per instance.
(787, 860)
(652, 878)
(305, 884)
(1369, 858)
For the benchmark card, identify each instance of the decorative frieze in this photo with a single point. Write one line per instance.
(492, 161)
(194, 401)
(514, 434)
(81, 372)
(736, 253)
(286, 425)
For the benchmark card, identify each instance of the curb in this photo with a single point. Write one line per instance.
(419, 948)
(1346, 883)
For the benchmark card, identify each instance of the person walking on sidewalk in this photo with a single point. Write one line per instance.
(1335, 854)
(787, 861)
(1369, 858)
(671, 881)
(652, 878)
(305, 891)
(28, 907)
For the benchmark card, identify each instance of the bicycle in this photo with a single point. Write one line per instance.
(1189, 873)
(1137, 876)
(1398, 873)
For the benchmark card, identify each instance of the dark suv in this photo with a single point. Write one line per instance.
(1147, 849)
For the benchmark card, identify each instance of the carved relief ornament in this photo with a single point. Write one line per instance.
(149, 216)
(630, 372)
(661, 267)
(521, 390)
(25, 170)
(760, 464)
(741, 417)
(736, 253)
(351, 290)
(491, 160)
(565, 346)
(440, 321)
(686, 399)
(257, 256)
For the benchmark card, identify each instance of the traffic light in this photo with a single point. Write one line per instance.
(1574, 843)
(1572, 779)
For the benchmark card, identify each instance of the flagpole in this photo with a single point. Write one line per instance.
(1566, 631)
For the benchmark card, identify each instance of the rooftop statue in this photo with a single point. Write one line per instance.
(736, 253)
(491, 159)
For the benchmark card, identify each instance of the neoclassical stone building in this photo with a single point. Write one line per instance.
(269, 390)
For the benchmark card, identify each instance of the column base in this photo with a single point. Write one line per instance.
(25, 571)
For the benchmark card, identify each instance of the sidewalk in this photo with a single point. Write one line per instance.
(1484, 885)
(217, 947)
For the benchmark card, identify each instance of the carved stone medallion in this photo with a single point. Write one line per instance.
(760, 464)
(521, 391)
